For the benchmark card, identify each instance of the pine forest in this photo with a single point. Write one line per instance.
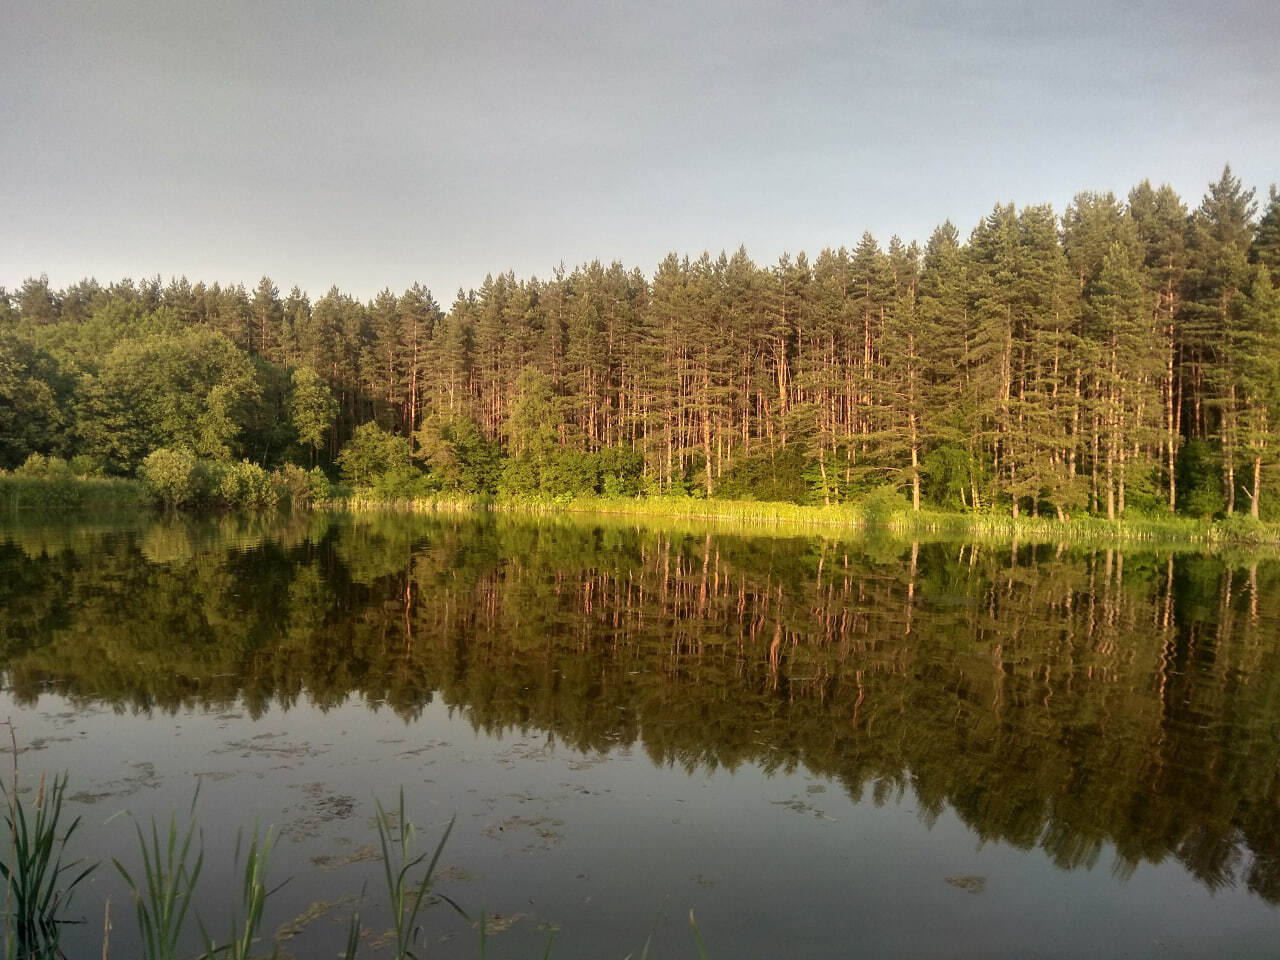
(1121, 358)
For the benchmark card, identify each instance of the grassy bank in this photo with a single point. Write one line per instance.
(26, 495)
(19, 494)
(867, 516)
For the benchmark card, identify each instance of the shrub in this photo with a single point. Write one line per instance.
(246, 484)
(519, 478)
(293, 485)
(298, 487)
(568, 474)
(882, 504)
(403, 482)
(620, 469)
(171, 477)
(83, 465)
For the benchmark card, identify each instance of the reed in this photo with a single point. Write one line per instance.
(164, 890)
(396, 837)
(869, 517)
(253, 900)
(170, 870)
(20, 494)
(38, 883)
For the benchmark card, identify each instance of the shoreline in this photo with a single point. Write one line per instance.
(99, 496)
(772, 518)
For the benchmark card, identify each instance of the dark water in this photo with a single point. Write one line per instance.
(823, 748)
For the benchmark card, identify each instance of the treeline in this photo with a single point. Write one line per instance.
(1121, 357)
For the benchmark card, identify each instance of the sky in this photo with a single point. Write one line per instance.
(372, 145)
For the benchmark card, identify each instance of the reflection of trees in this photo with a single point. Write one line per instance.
(1055, 698)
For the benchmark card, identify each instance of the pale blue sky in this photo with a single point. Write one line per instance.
(376, 144)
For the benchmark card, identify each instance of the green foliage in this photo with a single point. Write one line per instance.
(372, 452)
(1239, 528)
(83, 465)
(32, 401)
(53, 469)
(312, 408)
(247, 485)
(1199, 480)
(620, 470)
(38, 884)
(404, 483)
(881, 505)
(301, 488)
(1144, 490)
(520, 478)
(190, 390)
(171, 476)
(947, 476)
(780, 477)
(458, 456)
(533, 423)
(565, 474)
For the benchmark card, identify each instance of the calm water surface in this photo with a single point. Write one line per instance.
(822, 747)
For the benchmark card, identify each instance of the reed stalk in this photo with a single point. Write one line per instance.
(396, 836)
(38, 883)
(253, 899)
(169, 875)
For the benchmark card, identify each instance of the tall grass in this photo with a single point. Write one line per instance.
(395, 837)
(868, 517)
(36, 494)
(170, 870)
(253, 899)
(38, 884)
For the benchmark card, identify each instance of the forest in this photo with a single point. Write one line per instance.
(1119, 359)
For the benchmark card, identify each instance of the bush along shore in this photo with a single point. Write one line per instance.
(172, 480)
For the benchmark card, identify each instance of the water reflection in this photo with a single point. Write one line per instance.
(1063, 699)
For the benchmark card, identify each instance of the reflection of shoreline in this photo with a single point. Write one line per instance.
(1054, 699)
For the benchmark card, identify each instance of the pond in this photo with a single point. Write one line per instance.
(821, 745)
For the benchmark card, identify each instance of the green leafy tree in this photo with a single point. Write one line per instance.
(31, 417)
(191, 390)
(372, 452)
(312, 408)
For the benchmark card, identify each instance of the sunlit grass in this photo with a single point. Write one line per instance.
(866, 516)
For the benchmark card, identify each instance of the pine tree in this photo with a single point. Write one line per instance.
(1256, 357)
(1266, 239)
(1160, 218)
(268, 319)
(1218, 245)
